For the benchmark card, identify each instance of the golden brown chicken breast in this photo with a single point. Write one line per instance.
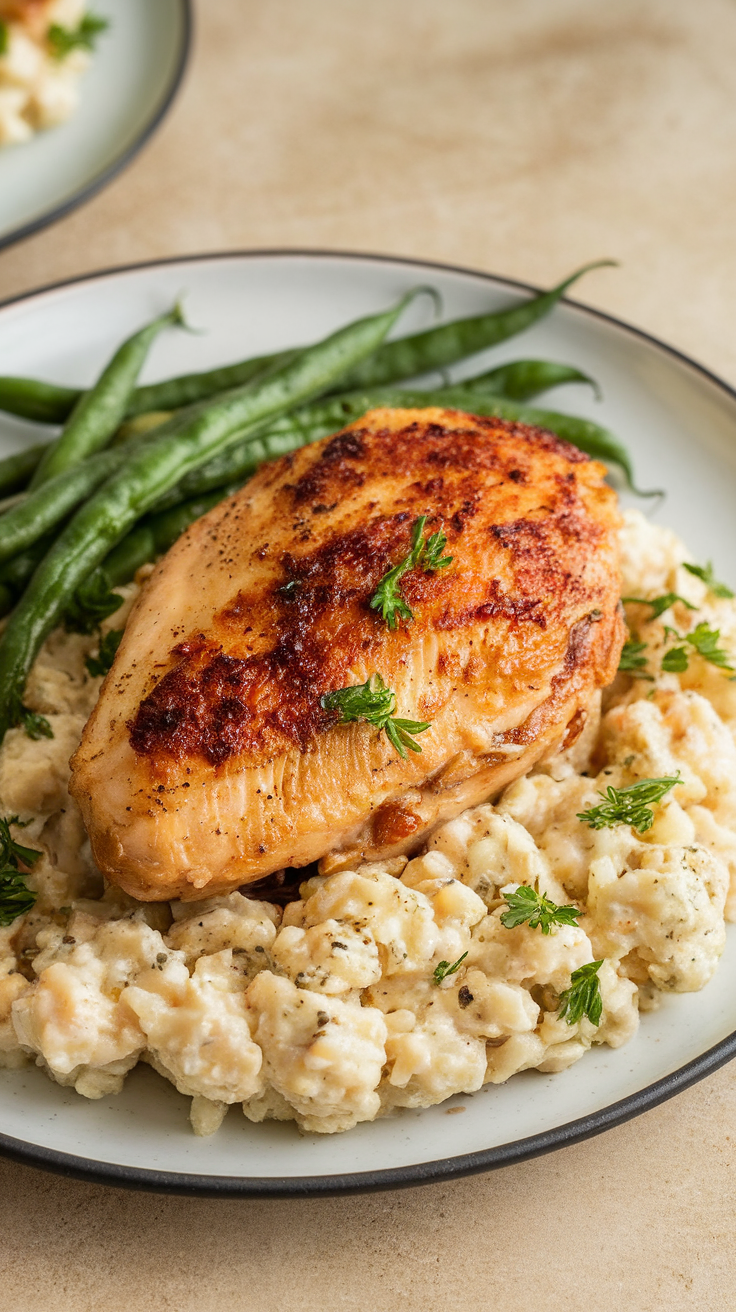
(210, 760)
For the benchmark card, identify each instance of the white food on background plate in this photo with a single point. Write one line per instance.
(37, 89)
(327, 1012)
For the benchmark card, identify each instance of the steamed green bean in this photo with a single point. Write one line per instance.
(436, 348)
(100, 411)
(16, 470)
(149, 473)
(523, 380)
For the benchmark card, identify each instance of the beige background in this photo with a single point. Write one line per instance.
(522, 137)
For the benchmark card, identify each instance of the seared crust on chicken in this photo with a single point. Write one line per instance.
(210, 762)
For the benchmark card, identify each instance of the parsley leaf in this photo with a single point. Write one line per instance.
(374, 703)
(35, 725)
(632, 662)
(705, 572)
(15, 896)
(4, 34)
(526, 905)
(62, 40)
(583, 998)
(102, 662)
(432, 558)
(705, 641)
(675, 661)
(444, 969)
(91, 604)
(660, 604)
(387, 597)
(629, 806)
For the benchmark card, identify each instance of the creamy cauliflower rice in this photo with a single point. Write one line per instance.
(39, 83)
(327, 1011)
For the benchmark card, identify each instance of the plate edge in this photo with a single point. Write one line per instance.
(326, 1186)
(317, 252)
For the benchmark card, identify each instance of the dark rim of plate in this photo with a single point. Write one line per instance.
(448, 1168)
(121, 161)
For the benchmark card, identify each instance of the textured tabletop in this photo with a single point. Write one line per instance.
(522, 138)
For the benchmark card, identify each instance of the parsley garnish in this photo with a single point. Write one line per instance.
(704, 640)
(675, 661)
(3, 38)
(92, 604)
(15, 896)
(632, 662)
(659, 604)
(35, 725)
(387, 597)
(705, 572)
(373, 702)
(629, 806)
(583, 998)
(62, 40)
(101, 663)
(444, 969)
(526, 905)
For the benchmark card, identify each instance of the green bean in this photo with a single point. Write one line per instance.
(48, 403)
(523, 380)
(437, 348)
(152, 470)
(407, 358)
(46, 506)
(314, 422)
(16, 470)
(15, 573)
(173, 393)
(43, 403)
(140, 424)
(101, 410)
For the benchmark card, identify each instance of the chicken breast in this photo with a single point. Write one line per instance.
(210, 761)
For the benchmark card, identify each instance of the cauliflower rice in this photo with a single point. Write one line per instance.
(37, 89)
(326, 1011)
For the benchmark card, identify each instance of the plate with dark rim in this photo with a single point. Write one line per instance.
(125, 93)
(679, 422)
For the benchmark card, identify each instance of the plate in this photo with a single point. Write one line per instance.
(680, 425)
(125, 93)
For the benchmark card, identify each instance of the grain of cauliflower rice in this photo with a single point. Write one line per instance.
(327, 1012)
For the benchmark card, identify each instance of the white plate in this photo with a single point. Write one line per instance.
(680, 425)
(130, 84)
